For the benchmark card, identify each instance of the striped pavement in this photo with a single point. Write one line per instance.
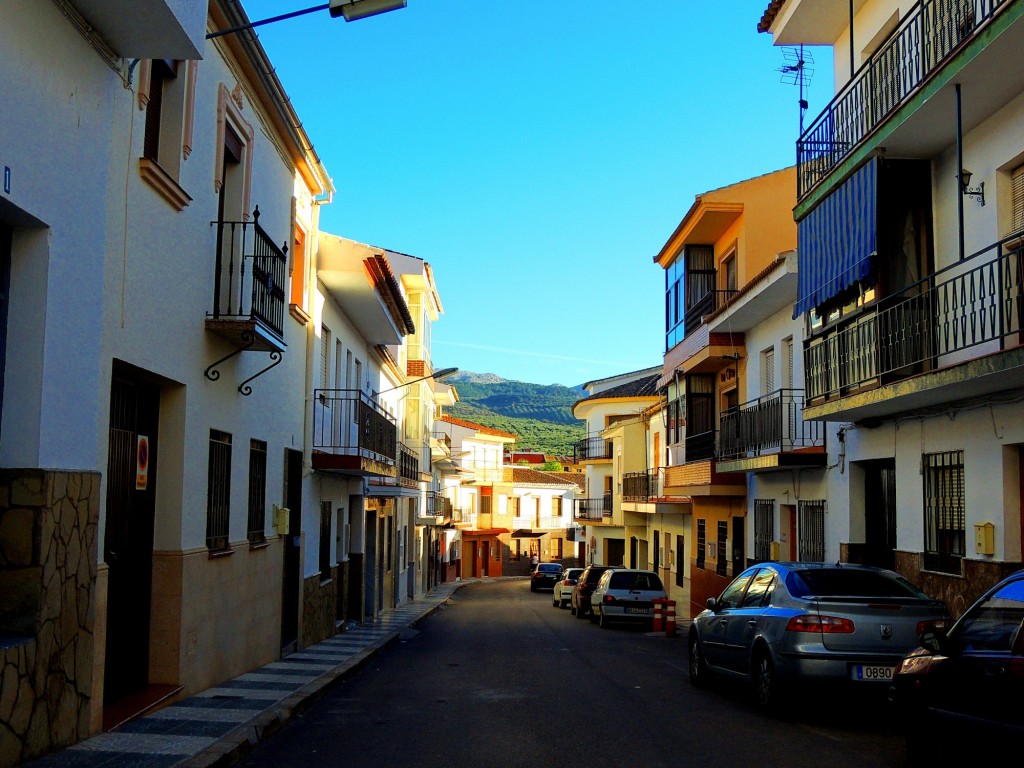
(219, 725)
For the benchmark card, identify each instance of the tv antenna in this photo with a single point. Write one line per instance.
(797, 71)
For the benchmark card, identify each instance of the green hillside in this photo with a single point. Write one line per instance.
(541, 415)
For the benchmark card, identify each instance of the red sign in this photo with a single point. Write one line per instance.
(142, 463)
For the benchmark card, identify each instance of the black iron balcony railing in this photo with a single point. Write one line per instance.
(593, 510)
(707, 304)
(700, 446)
(975, 304)
(249, 282)
(925, 38)
(639, 486)
(349, 422)
(770, 423)
(408, 466)
(592, 448)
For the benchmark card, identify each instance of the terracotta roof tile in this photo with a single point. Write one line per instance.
(478, 427)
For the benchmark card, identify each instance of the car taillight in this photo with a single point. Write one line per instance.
(934, 625)
(828, 625)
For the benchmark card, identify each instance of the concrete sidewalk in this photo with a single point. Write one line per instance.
(218, 726)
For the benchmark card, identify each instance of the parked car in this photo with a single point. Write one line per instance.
(779, 624)
(626, 594)
(545, 576)
(561, 595)
(965, 689)
(579, 603)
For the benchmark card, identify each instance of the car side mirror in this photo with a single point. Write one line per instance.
(935, 641)
(712, 603)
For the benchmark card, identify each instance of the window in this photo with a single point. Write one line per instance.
(513, 505)
(1017, 186)
(325, 541)
(729, 268)
(555, 549)
(218, 491)
(297, 297)
(167, 94)
(733, 594)
(556, 506)
(944, 511)
(812, 531)
(760, 589)
(768, 371)
(257, 491)
(657, 551)
(764, 528)
(787, 363)
(722, 566)
(325, 357)
(701, 542)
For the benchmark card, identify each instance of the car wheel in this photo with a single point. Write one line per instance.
(593, 616)
(602, 621)
(533, 588)
(572, 608)
(563, 603)
(554, 602)
(765, 681)
(698, 666)
(580, 613)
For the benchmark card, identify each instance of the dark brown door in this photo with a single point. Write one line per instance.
(128, 532)
(880, 513)
(292, 564)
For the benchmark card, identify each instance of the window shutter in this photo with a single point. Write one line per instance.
(1018, 199)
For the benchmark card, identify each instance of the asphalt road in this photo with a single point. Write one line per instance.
(499, 677)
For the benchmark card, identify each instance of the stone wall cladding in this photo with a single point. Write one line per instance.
(319, 604)
(48, 533)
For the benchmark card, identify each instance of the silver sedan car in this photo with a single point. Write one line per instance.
(777, 624)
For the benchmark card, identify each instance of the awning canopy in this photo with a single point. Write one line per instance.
(526, 533)
(836, 240)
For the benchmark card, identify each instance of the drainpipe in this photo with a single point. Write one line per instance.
(959, 170)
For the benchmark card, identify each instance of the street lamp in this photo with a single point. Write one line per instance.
(435, 375)
(351, 10)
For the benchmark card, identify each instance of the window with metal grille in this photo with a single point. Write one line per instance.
(325, 540)
(764, 528)
(944, 534)
(722, 566)
(218, 491)
(257, 491)
(702, 540)
(812, 531)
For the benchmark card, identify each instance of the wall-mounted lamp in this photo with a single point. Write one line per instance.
(435, 375)
(350, 9)
(978, 193)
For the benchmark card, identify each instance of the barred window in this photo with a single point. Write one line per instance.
(680, 561)
(218, 491)
(722, 568)
(944, 511)
(702, 540)
(764, 529)
(812, 531)
(257, 491)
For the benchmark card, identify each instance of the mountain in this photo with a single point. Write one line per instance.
(540, 414)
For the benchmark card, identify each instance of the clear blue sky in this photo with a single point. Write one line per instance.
(538, 155)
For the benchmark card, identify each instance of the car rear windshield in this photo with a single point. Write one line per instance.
(549, 568)
(849, 582)
(633, 580)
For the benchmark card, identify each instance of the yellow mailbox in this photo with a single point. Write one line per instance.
(984, 538)
(281, 519)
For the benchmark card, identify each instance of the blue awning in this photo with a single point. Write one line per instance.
(836, 240)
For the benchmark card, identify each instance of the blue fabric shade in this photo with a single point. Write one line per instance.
(836, 240)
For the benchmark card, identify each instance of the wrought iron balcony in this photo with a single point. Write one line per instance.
(590, 448)
(767, 424)
(438, 505)
(593, 510)
(968, 309)
(639, 486)
(353, 435)
(249, 284)
(465, 517)
(701, 446)
(922, 43)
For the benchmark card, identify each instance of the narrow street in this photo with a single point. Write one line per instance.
(501, 677)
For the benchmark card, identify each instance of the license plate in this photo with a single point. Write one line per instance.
(636, 610)
(872, 673)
